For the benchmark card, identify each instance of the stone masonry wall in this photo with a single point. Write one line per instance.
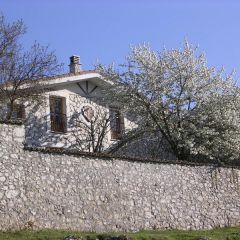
(87, 193)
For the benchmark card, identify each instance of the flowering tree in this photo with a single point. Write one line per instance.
(192, 106)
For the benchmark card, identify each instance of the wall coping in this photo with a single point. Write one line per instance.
(11, 122)
(106, 156)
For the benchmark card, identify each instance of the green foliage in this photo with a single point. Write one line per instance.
(216, 234)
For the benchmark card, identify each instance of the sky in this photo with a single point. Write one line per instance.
(103, 30)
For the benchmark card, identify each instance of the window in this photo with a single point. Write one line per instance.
(58, 114)
(116, 123)
(18, 112)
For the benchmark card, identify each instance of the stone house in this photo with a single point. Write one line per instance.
(70, 105)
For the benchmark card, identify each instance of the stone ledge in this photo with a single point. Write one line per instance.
(106, 156)
(11, 122)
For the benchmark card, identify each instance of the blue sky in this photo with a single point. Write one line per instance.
(103, 29)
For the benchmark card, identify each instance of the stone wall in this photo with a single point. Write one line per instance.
(43, 190)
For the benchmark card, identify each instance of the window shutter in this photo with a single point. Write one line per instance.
(58, 113)
(51, 102)
(18, 111)
(116, 124)
(122, 125)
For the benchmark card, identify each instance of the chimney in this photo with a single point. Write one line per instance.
(75, 65)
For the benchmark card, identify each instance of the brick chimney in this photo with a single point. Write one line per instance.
(75, 65)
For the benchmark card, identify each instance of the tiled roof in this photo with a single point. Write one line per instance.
(67, 75)
(56, 77)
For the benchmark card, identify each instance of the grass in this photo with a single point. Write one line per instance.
(216, 234)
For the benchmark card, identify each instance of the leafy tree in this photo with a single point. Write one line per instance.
(195, 108)
(19, 68)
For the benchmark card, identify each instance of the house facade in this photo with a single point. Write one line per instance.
(73, 113)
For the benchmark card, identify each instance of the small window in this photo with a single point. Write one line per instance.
(116, 123)
(58, 114)
(18, 112)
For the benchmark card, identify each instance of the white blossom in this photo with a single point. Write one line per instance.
(193, 106)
